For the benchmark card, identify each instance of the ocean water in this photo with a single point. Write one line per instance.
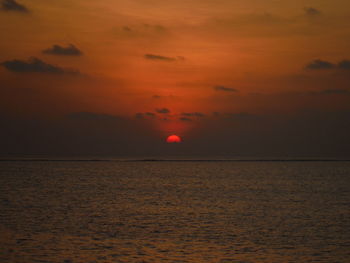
(89, 212)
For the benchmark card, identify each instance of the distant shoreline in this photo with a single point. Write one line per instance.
(171, 160)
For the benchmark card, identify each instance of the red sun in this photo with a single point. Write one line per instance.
(173, 139)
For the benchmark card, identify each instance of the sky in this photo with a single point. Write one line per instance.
(233, 78)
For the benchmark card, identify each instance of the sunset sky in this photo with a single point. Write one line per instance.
(233, 78)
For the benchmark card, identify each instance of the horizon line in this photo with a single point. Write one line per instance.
(173, 160)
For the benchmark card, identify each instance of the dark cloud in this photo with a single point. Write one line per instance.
(310, 11)
(185, 119)
(237, 116)
(242, 116)
(164, 97)
(155, 32)
(223, 88)
(304, 134)
(70, 50)
(34, 65)
(319, 64)
(331, 92)
(142, 115)
(91, 116)
(193, 114)
(126, 29)
(139, 115)
(344, 64)
(162, 58)
(86, 133)
(12, 5)
(163, 110)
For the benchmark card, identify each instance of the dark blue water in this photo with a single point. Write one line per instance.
(90, 212)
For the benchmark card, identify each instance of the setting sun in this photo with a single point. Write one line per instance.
(173, 139)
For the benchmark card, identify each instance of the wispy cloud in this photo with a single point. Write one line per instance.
(223, 88)
(311, 11)
(193, 114)
(70, 50)
(163, 58)
(344, 64)
(331, 92)
(185, 119)
(142, 115)
(319, 64)
(91, 116)
(162, 110)
(35, 65)
(12, 5)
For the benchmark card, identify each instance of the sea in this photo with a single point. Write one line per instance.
(143, 211)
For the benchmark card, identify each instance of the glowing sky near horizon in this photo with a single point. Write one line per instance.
(174, 65)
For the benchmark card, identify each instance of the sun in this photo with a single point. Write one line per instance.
(173, 139)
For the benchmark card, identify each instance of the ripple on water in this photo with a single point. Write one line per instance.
(67, 212)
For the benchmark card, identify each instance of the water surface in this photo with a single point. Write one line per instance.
(89, 212)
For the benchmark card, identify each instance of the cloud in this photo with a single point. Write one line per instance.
(193, 114)
(70, 50)
(243, 116)
(35, 65)
(91, 116)
(142, 115)
(319, 64)
(344, 64)
(223, 88)
(310, 11)
(12, 5)
(292, 135)
(331, 92)
(139, 115)
(142, 30)
(126, 29)
(157, 97)
(185, 119)
(163, 110)
(163, 58)
(148, 32)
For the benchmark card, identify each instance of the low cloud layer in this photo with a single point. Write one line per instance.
(319, 64)
(331, 92)
(143, 115)
(91, 116)
(185, 119)
(239, 134)
(70, 50)
(12, 5)
(193, 114)
(35, 65)
(344, 64)
(163, 110)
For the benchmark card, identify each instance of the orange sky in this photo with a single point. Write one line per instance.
(198, 59)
